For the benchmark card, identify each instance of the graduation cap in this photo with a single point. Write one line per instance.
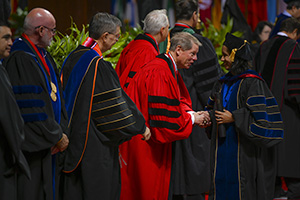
(238, 47)
(288, 1)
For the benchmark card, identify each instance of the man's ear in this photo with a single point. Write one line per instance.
(104, 36)
(295, 31)
(162, 30)
(40, 31)
(178, 50)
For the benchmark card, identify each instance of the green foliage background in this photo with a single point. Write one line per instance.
(63, 44)
(217, 37)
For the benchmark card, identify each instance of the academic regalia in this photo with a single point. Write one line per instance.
(37, 90)
(279, 19)
(278, 63)
(13, 161)
(102, 116)
(71, 61)
(243, 161)
(137, 53)
(162, 97)
(190, 171)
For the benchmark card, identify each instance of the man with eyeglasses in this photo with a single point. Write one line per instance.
(101, 116)
(33, 75)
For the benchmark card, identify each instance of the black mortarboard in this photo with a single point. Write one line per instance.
(288, 1)
(237, 47)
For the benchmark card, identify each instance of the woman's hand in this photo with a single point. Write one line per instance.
(224, 117)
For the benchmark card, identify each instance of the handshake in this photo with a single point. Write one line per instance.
(202, 119)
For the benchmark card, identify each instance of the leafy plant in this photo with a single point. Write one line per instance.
(217, 36)
(16, 21)
(63, 45)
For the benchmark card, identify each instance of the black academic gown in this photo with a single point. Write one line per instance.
(41, 115)
(278, 61)
(102, 116)
(243, 161)
(190, 172)
(11, 139)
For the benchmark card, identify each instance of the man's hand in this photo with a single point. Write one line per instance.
(224, 117)
(61, 145)
(202, 119)
(147, 134)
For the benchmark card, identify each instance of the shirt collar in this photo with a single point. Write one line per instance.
(286, 13)
(173, 62)
(282, 34)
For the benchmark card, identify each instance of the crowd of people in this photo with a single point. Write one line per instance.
(166, 124)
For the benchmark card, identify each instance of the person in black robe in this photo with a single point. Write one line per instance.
(292, 10)
(33, 75)
(13, 160)
(190, 172)
(243, 154)
(278, 63)
(101, 116)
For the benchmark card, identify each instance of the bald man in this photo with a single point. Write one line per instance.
(33, 75)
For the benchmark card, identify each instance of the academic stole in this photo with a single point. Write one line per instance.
(54, 91)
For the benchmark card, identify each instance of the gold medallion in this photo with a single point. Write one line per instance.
(53, 87)
(53, 96)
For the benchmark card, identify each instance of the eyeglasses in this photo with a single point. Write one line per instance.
(116, 35)
(53, 30)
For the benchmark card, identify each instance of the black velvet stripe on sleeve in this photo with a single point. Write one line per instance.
(294, 71)
(26, 89)
(294, 81)
(164, 112)
(110, 109)
(292, 92)
(131, 74)
(115, 121)
(165, 100)
(294, 61)
(107, 96)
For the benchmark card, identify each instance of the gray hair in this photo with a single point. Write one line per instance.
(155, 20)
(185, 40)
(101, 23)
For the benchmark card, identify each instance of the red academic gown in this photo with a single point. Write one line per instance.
(137, 53)
(164, 101)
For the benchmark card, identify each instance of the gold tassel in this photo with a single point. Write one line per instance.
(233, 51)
(232, 54)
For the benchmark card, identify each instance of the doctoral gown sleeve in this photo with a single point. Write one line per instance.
(113, 112)
(259, 118)
(11, 124)
(159, 97)
(41, 129)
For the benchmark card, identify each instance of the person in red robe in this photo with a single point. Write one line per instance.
(161, 95)
(144, 47)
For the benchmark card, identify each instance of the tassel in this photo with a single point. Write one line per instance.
(233, 51)
(232, 54)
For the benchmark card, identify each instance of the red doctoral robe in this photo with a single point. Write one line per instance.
(163, 99)
(137, 53)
